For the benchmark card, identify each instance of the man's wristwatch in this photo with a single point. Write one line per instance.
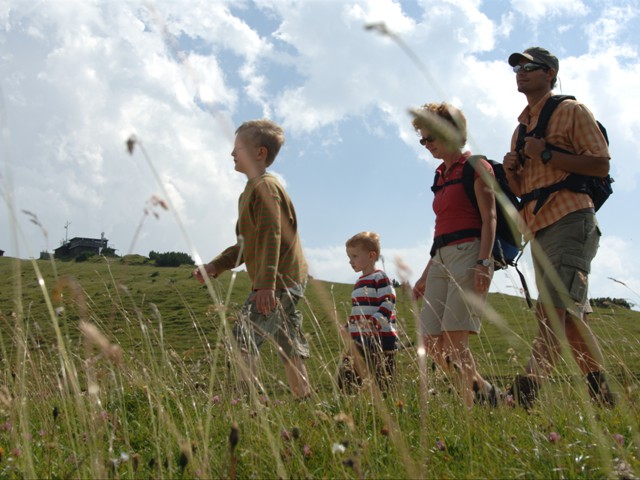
(485, 262)
(545, 156)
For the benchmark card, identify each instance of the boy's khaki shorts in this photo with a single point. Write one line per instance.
(570, 245)
(450, 301)
(283, 325)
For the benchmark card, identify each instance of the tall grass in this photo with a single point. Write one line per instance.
(135, 386)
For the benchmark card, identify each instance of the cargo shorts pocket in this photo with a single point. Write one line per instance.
(574, 274)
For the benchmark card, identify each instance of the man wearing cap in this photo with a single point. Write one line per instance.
(563, 232)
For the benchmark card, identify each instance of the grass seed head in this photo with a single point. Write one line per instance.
(234, 437)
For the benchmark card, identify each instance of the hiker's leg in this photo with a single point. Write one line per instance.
(297, 376)
(434, 349)
(463, 367)
(584, 344)
(589, 357)
(546, 346)
(286, 329)
(248, 371)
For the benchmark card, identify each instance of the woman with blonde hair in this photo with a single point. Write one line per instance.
(456, 280)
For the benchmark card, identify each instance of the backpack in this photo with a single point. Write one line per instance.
(598, 188)
(508, 242)
(508, 246)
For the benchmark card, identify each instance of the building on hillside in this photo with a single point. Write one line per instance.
(1, 253)
(78, 245)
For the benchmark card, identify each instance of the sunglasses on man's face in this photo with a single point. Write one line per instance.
(530, 67)
(428, 139)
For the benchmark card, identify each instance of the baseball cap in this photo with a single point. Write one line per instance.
(536, 55)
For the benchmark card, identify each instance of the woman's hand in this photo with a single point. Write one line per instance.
(482, 279)
(419, 287)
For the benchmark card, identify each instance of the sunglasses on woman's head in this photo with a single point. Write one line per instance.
(530, 67)
(427, 139)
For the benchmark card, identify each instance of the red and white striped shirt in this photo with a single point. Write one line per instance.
(373, 309)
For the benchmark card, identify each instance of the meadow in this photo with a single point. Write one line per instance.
(116, 368)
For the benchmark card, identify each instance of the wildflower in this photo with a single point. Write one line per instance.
(1, 454)
(619, 439)
(235, 401)
(215, 399)
(338, 448)
(440, 445)
(124, 457)
(286, 435)
(344, 418)
(553, 437)
(306, 451)
(16, 452)
(41, 432)
(400, 405)
(384, 431)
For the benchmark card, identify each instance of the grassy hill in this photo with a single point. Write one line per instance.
(150, 389)
(118, 293)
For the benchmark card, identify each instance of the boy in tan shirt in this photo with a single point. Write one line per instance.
(269, 245)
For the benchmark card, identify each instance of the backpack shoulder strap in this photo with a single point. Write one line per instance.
(540, 131)
(468, 177)
(435, 187)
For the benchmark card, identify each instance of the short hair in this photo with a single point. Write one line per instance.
(448, 112)
(367, 240)
(264, 133)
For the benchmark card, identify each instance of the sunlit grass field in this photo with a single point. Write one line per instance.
(121, 369)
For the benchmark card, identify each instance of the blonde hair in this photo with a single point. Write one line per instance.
(263, 133)
(370, 241)
(451, 114)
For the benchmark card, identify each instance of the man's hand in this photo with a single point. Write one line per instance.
(533, 147)
(209, 269)
(265, 300)
(511, 163)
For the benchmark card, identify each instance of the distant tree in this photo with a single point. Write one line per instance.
(171, 259)
(608, 302)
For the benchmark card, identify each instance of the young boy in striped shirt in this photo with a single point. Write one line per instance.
(372, 322)
(269, 245)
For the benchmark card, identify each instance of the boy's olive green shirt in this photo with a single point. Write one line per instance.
(268, 240)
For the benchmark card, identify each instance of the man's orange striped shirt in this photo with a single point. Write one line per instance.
(572, 127)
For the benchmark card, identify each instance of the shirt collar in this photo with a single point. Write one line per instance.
(531, 112)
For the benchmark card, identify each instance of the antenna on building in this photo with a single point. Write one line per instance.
(66, 232)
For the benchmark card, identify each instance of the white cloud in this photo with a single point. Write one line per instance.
(78, 78)
(541, 9)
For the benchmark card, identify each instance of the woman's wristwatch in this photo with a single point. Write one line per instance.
(485, 262)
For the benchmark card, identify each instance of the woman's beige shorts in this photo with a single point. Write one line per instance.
(450, 301)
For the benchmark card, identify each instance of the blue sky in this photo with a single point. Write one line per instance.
(78, 78)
